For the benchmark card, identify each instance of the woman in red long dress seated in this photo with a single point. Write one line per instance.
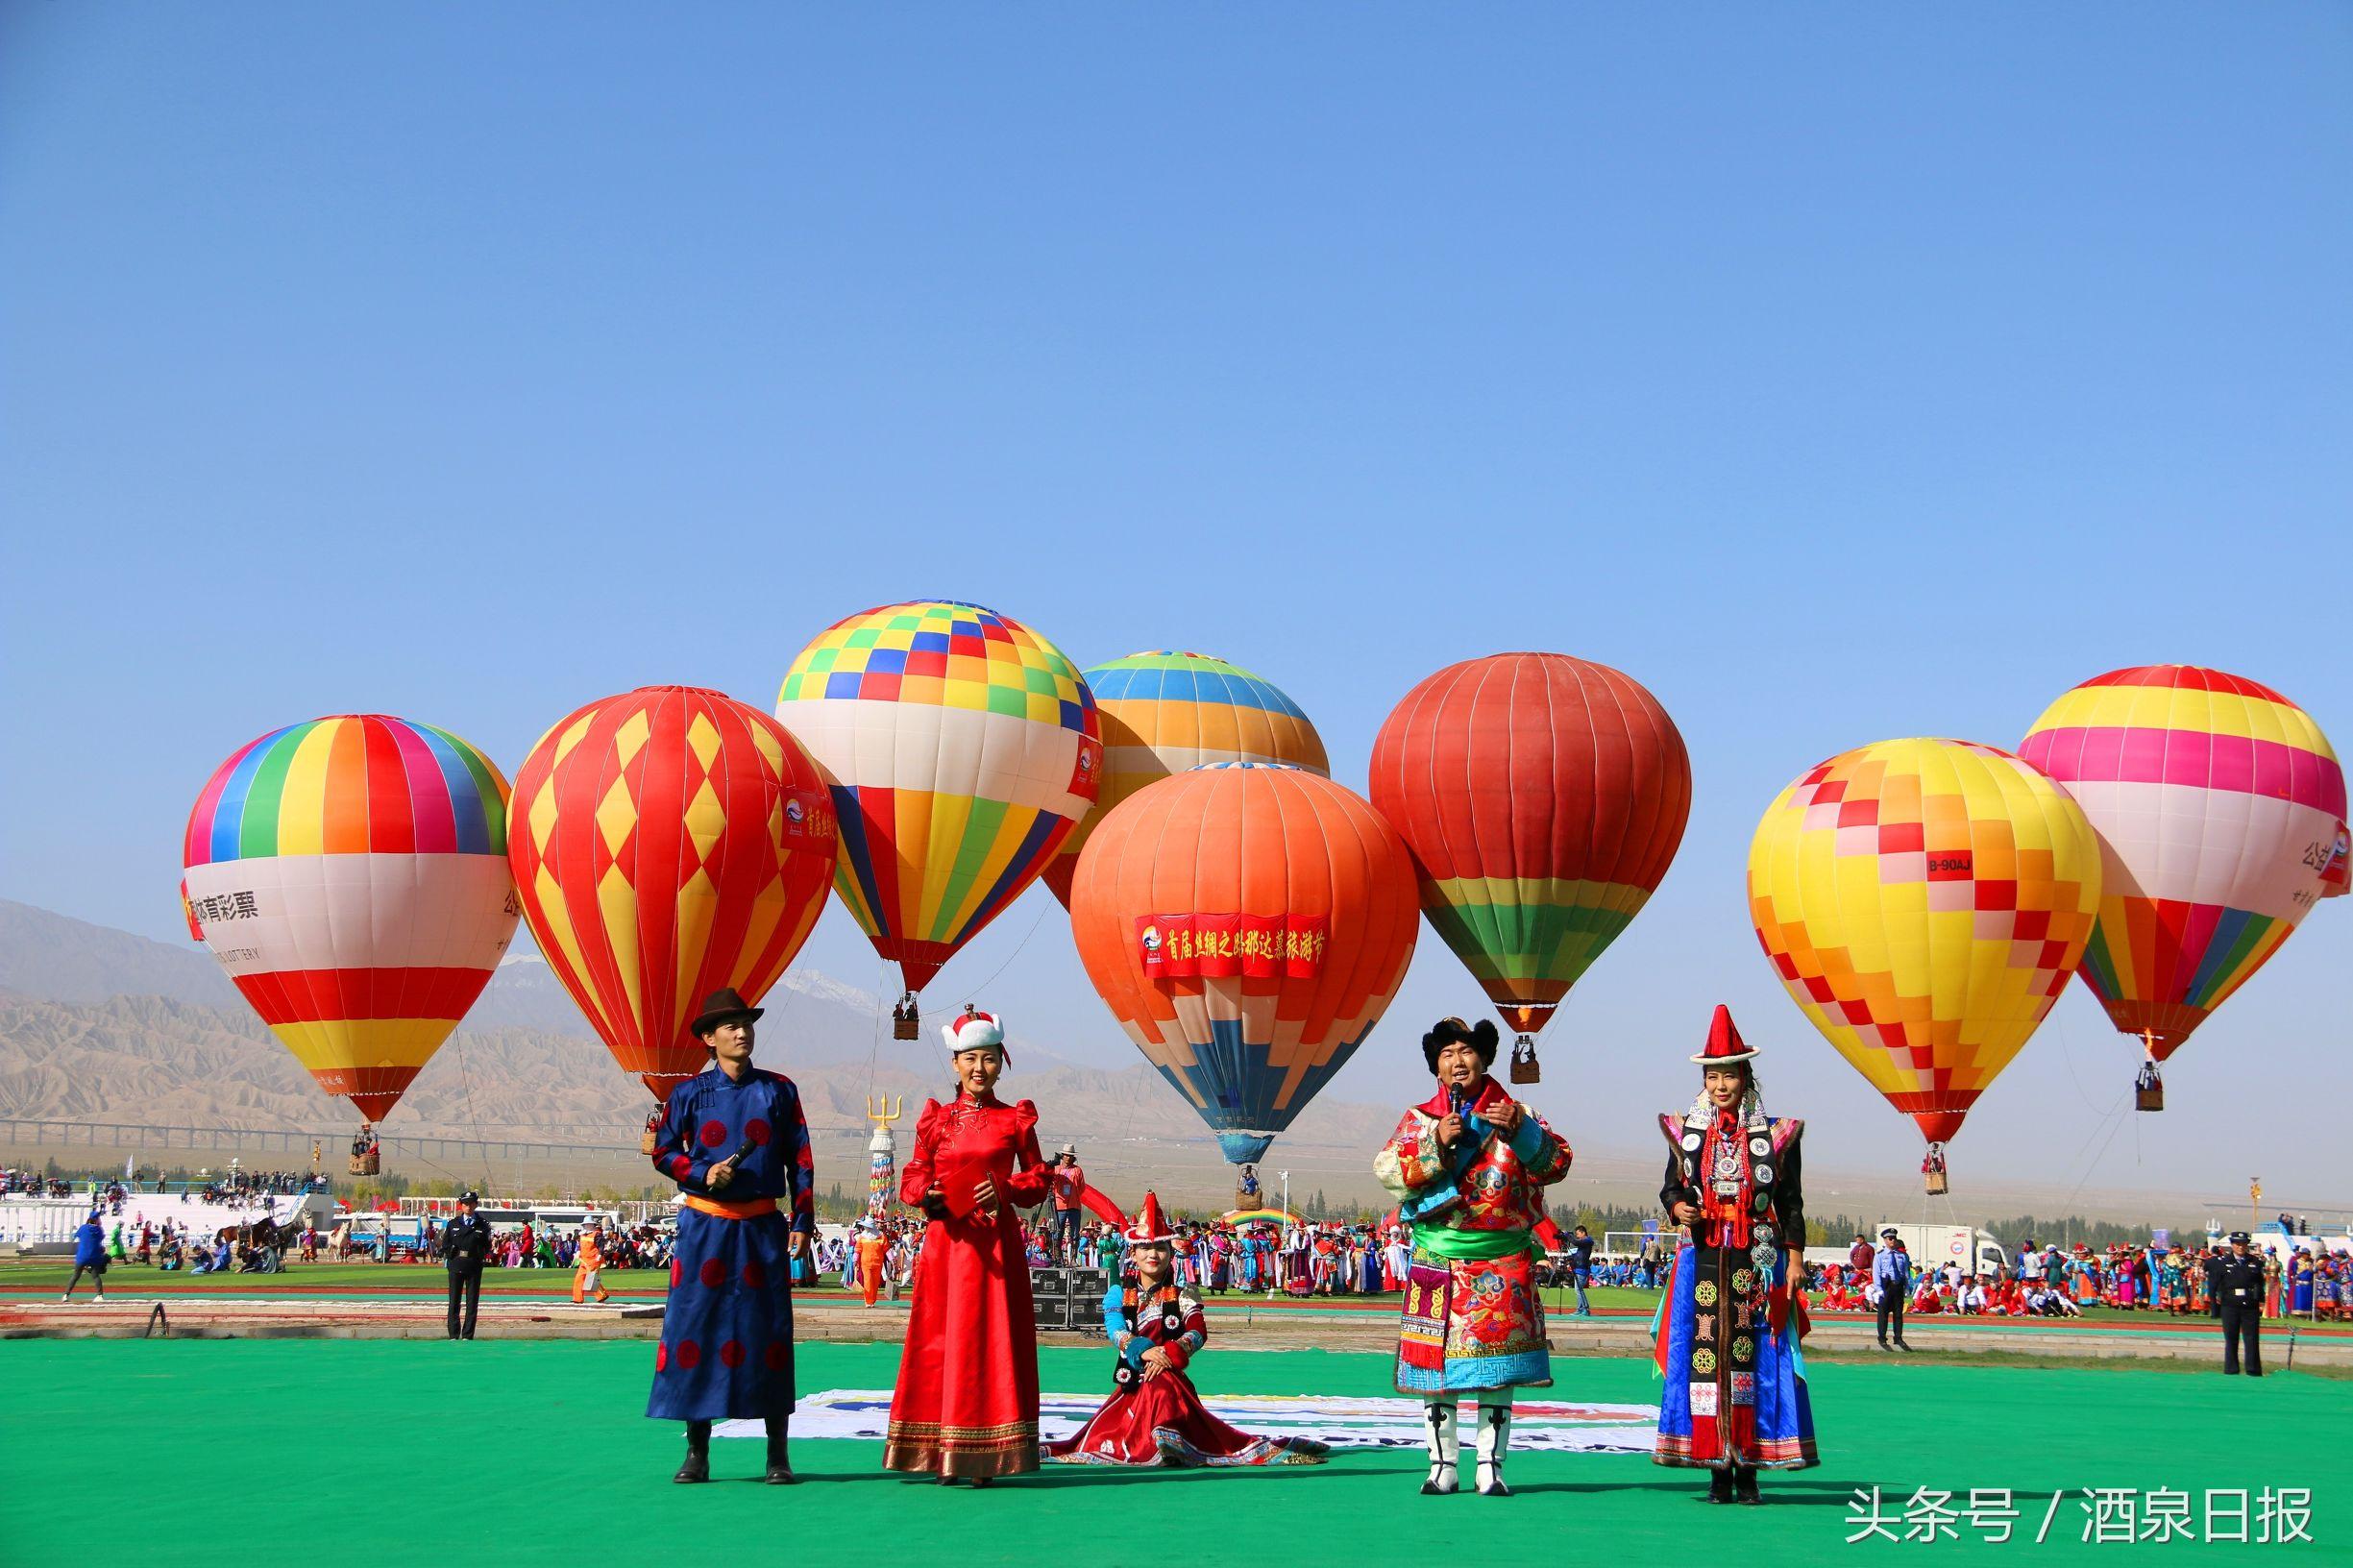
(966, 1401)
(1154, 1416)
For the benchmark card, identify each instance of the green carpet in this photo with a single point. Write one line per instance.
(390, 1453)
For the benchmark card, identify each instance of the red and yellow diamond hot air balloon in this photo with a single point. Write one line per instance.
(2219, 805)
(1925, 902)
(1163, 713)
(350, 874)
(667, 842)
(1543, 799)
(963, 748)
(1247, 924)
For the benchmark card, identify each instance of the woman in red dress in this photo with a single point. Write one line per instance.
(966, 1401)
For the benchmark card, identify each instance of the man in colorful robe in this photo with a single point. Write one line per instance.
(1727, 1339)
(1469, 1167)
(734, 1138)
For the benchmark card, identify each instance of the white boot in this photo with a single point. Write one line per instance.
(1439, 1422)
(1494, 1436)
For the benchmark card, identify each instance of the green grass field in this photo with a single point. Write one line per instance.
(525, 1452)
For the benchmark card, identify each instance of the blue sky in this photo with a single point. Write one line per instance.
(1837, 372)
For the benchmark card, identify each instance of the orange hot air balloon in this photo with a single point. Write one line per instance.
(1544, 797)
(1247, 923)
(669, 841)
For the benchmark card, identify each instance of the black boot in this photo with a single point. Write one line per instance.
(1744, 1485)
(779, 1459)
(1719, 1486)
(697, 1465)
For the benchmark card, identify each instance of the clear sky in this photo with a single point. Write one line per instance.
(1839, 373)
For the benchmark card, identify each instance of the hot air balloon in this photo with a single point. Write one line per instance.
(961, 747)
(350, 874)
(1163, 713)
(2218, 807)
(670, 840)
(1543, 798)
(1247, 924)
(1925, 902)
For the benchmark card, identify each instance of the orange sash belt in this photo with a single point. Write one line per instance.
(720, 1208)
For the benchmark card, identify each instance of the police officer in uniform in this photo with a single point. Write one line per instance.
(465, 1247)
(2235, 1285)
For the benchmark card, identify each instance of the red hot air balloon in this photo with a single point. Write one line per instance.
(1543, 799)
(1247, 923)
(669, 841)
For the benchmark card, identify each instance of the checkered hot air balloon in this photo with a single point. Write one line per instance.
(669, 841)
(2219, 806)
(1247, 924)
(1925, 902)
(350, 874)
(1163, 713)
(1543, 798)
(963, 748)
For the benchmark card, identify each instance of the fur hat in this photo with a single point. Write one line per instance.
(1482, 1036)
(975, 1031)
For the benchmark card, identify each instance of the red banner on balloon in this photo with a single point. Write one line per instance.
(1222, 946)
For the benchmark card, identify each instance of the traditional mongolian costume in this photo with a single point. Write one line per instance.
(966, 1401)
(1727, 1340)
(1159, 1419)
(726, 1348)
(1473, 1323)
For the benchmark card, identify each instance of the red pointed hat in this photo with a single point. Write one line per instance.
(1725, 1046)
(1149, 1224)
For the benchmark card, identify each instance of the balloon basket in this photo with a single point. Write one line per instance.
(2149, 1097)
(1525, 1067)
(905, 1022)
(367, 1164)
(1934, 1182)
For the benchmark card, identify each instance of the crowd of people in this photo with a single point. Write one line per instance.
(2052, 1281)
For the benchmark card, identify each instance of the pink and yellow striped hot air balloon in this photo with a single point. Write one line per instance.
(2219, 808)
(350, 874)
(669, 841)
(1925, 902)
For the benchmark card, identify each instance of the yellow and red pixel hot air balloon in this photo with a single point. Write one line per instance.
(350, 874)
(1163, 713)
(2219, 808)
(963, 748)
(669, 841)
(1925, 902)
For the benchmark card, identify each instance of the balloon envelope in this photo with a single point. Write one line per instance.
(670, 840)
(1163, 713)
(1543, 798)
(2219, 805)
(1925, 902)
(961, 747)
(1247, 924)
(350, 874)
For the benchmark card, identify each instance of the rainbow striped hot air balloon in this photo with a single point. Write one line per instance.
(350, 874)
(1163, 713)
(1923, 902)
(963, 748)
(2219, 807)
